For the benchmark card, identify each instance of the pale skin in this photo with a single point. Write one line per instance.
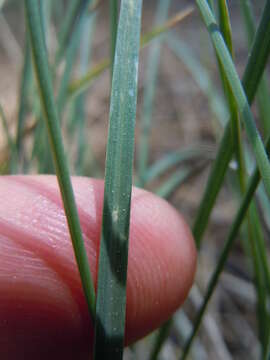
(43, 314)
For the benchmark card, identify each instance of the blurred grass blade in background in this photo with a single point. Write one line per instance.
(200, 75)
(238, 220)
(113, 257)
(263, 93)
(78, 114)
(71, 53)
(189, 153)
(26, 78)
(174, 181)
(81, 84)
(150, 92)
(41, 65)
(160, 339)
(113, 28)
(73, 14)
(254, 229)
(13, 160)
(251, 79)
(238, 92)
(5, 128)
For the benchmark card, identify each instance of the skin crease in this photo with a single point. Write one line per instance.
(43, 313)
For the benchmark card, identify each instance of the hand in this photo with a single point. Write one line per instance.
(43, 314)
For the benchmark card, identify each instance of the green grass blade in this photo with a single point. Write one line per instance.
(254, 234)
(214, 183)
(79, 116)
(41, 65)
(251, 78)
(149, 92)
(225, 28)
(183, 327)
(239, 218)
(76, 87)
(261, 291)
(222, 260)
(259, 242)
(225, 24)
(264, 205)
(200, 75)
(5, 127)
(26, 78)
(40, 147)
(189, 153)
(159, 30)
(75, 9)
(263, 94)
(10, 142)
(2, 3)
(258, 253)
(79, 85)
(70, 58)
(111, 294)
(45, 159)
(238, 92)
(160, 339)
(113, 28)
(174, 181)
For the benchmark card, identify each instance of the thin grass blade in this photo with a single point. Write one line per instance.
(254, 233)
(79, 85)
(79, 114)
(238, 92)
(238, 220)
(225, 28)
(251, 78)
(113, 28)
(200, 75)
(41, 65)
(263, 94)
(10, 142)
(149, 93)
(181, 15)
(75, 10)
(70, 58)
(194, 152)
(174, 181)
(26, 78)
(160, 339)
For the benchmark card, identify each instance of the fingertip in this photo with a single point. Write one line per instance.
(161, 267)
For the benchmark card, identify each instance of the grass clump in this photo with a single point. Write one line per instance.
(65, 61)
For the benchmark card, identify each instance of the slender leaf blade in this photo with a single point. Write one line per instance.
(81, 84)
(251, 79)
(150, 92)
(238, 92)
(41, 66)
